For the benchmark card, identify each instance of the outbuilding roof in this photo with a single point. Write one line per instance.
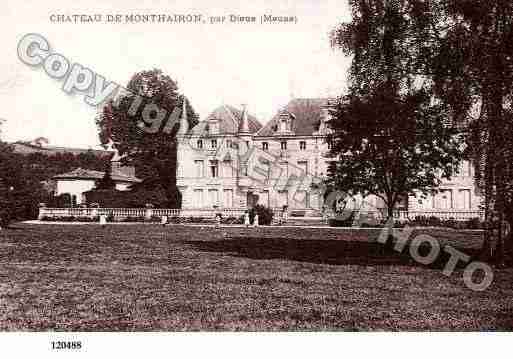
(81, 173)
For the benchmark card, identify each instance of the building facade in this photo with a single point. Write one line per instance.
(229, 160)
(79, 181)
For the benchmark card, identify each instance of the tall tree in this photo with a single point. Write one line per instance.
(148, 144)
(20, 191)
(389, 137)
(474, 73)
(106, 182)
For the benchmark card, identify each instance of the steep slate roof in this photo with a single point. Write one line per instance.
(81, 173)
(307, 116)
(230, 118)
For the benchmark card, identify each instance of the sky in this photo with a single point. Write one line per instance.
(261, 65)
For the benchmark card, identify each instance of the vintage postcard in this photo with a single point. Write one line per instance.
(302, 166)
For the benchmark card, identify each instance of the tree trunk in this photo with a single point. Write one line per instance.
(508, 240)
(499, 248)
(389, 223)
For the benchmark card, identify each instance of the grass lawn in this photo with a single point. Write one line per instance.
(147, 277)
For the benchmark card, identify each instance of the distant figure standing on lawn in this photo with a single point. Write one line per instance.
(284, 215)
(246, 218)
(325, 214)
(103, 220)
(255, 220)
(218, 220)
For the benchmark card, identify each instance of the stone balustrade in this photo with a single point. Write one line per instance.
(44, 212)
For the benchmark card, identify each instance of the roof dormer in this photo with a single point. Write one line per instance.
(213, 125)
(285, 125)
(325, 117)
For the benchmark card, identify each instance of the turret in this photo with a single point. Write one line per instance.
(184, 124)
(244, 122)
(245, 141)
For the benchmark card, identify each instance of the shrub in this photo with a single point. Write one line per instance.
(344, 219)
(136, 198)
(450, 223)
(85, 219)
(423, 221)
(432, 221)
(265, 215)
(232, 220)
(366, 220)
(474, 223)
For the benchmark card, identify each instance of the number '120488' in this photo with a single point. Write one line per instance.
(66, 345)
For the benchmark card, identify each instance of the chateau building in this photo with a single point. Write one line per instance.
(230, 160)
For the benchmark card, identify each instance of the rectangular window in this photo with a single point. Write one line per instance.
(214, 170)
(198, 164)
(213, 197)
(283, 145)
(213, 143)
(229, 143)
(199, 144)
(444, 199)
(265, 146)
(302, 145)
(283, 198)
(263, 198)
(464, 200)
(227, 169)
(198, 198)
(427, 203)
(284, 170)
(228, 198)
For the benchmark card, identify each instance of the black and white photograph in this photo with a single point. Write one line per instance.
(256, 179)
